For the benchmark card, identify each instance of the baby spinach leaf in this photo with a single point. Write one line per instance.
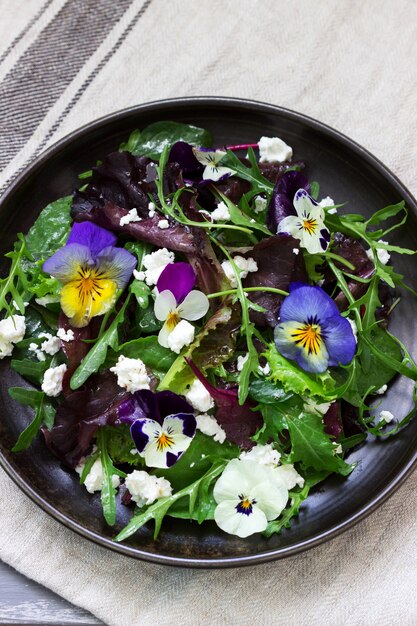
(51, 229)
(31, 370)
(267, 392)
(149, 351)
(155, 137)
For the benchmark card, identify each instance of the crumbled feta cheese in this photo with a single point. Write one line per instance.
(381, 390)
(209, 426)
(383, 255)
(338, 449)
(273, 150)
(155, 263)
(52, 345)
(326, 202)
(199, 397)
(182, 335)
(145, 488)
(163, 224)
(290, 475)
(131, 216)
(387, 416)
(65, 335)
(95, 477)
(33, 347)
(353, 327)
(192, 464)
(139, 275)
(260, 204)
(50, 299)
(12, 330)
(244, 265)
(151, 209)
(264, 455)
(241, 360)
(220, 213)
(131, 374)
(296, 251)
(52, 380)
(310, 406)
(265, 370)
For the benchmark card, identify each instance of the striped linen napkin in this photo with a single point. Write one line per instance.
(350, 64)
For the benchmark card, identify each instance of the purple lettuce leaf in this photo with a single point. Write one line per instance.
(239, 421)
(80, 414)
(274, 171)
(278, 266)
(332, 421)
(281, 204)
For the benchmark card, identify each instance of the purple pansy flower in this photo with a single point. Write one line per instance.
(177, 302)
(92, 270)
(311, 330)
(162, 425)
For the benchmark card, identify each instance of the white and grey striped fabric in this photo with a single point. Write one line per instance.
(351, 64)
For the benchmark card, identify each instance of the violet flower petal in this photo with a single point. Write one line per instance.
(117, 264)
(94, 237)
(66, 261)
(182, 153)
(281, 204)
(306, 302)
(170, 403)
(140, 438)
(179, 278)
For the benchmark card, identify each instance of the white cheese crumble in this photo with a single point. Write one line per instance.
(241, 360)
(131, 374)
(210, 426)
(95, 477)
(296, 251)
(12, 330)
(52, 380)
(353, 327)
(387, 416)
(52, 345)
(155, 263)
(145, 488)
(290, 476)
(65, 335)
(244, 265)
(139, 275)
(273, 150)
(182, 335)
(221, 213)
(328, 202)
(264, 455)
(151, 209)
(310, 406)
(47, 300)
(33, 347)
(381, 390)
(131, 216)
(338, 449)
(383, 255)
(163, 224)
(265, 370)
(260, 204)
(199, 397)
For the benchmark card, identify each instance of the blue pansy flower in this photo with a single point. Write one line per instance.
(311, 330)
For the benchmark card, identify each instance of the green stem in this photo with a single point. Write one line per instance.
(229, 292)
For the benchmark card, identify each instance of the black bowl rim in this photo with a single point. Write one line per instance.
(265, 556)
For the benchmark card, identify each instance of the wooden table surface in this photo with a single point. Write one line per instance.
(22, 601)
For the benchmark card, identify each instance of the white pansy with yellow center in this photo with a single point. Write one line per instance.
(211, 159)
(308, 225)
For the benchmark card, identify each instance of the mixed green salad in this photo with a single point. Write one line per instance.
(205, 337)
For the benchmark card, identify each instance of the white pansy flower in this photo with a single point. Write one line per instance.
(308, 225)
(211, 159)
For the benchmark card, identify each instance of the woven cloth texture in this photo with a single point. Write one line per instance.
(350, 64)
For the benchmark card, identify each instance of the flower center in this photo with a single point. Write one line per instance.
(245, 506)
(164, 441)
(87, 283)
(309, 336)
(310, 225)
(172, 319)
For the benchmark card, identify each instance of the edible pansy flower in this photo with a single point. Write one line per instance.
(282, 199)
(211, 160)
(177, 300)
(311, 330)
(308, 225)
(248, 496)
(92, 270)
(162, 425)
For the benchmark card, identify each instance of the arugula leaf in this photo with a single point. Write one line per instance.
(259, 183)
(97, 355)
(44, 414)
(160, 508)
(108, 492)
(91, 459)
(15, 286)
(155, 137)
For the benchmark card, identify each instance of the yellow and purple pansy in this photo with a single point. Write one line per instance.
(307, 225)
(162, 425)
(311, 330)
(92, 270)
(177, 300)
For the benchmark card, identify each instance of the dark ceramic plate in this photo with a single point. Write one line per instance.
(346, 172)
